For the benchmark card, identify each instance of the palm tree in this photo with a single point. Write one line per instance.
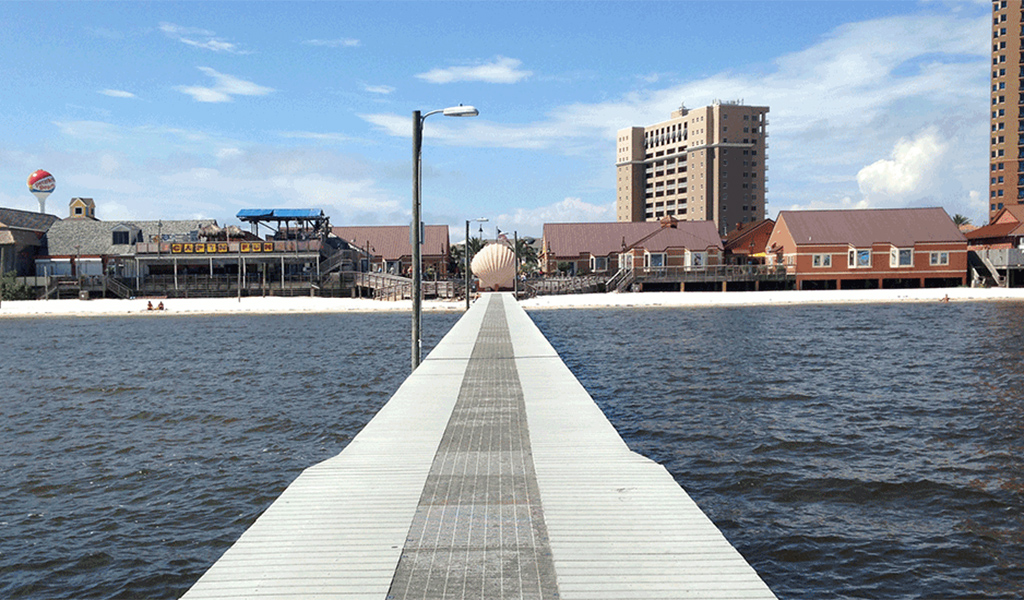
(528, 260)
(959, 219)
(458, 258)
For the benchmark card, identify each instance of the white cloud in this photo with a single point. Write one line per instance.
(88, 130)
(910, 171)
(500, 70)
(117, 94)
(224, 88)
(337, 43)
(315, 136)
(378, 89)
(476, 132)
(835, 106)
(200, 38)
(569, 210)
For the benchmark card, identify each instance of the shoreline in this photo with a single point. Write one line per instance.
(307, 305)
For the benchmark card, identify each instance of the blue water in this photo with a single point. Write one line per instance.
(848, 452)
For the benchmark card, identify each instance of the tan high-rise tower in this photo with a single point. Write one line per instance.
(704, 164)
(1006, 149)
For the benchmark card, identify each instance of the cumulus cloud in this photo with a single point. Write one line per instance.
(378, 89)
(117, 94)
(224, 89)
(835, 106)
(569, 210)
(910, 170)
(200, 38)
(337, 43)
(499, 70)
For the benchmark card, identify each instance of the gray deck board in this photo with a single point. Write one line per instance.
(490, 473)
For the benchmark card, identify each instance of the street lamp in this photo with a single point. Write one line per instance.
(465, 251)
(417, 251)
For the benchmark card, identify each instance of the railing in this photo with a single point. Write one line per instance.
(118, 288)
(620, 275)
(227, 248)
(194, 285)
(1002, 257)
(335, 262)
(713, 273)
(568, 285)
(385, 286)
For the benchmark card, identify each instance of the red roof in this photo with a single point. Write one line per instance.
(999, 230)
(747, 236)
(603, 239)
(392, 241)
(860, 228)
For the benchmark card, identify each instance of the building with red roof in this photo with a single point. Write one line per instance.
(390, 247)
(998, 247)
(606, 247)
(874, 248)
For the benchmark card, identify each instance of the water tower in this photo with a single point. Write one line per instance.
(41, 184)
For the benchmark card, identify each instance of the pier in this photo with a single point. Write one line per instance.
(491, 473)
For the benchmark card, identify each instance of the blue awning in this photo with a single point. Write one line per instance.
(280, 213)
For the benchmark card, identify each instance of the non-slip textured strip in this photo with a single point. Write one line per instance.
(479, 527)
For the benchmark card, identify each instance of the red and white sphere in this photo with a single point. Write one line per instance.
(41, 184)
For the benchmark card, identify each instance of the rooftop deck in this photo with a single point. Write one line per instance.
(490, 473)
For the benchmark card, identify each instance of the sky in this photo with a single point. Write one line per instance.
(197, 110)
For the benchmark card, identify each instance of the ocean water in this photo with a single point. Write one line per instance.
(864, 451)
(135, 451)
(847, 451)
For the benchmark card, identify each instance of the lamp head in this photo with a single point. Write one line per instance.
(460, 111)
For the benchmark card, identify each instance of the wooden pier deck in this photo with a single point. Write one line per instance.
(490, 473)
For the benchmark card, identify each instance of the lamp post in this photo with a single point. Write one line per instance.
(417, 251)
(515, 280)
(465, 251)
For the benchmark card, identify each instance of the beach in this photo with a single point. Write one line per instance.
(292, 305)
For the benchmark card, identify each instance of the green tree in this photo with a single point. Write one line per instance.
(528, 260)
(458, 258)
(10, 289)
(959, 219)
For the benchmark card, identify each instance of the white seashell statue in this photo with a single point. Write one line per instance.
(495, 265)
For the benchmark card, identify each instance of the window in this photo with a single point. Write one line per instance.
(939, 258)
(821, 261)
(695, 259)
(654, 261)
(859, 259)
(901, 257)
(78, 210)
(598, 263)
(120, 237)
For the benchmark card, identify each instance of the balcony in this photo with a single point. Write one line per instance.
(1002, 258)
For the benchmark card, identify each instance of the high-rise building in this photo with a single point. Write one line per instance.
(1006, 150)
(704, 164)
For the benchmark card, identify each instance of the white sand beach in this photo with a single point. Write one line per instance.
(281, 305)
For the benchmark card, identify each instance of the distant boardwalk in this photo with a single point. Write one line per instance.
(490, 473)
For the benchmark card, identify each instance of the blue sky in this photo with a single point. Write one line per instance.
(183, 110)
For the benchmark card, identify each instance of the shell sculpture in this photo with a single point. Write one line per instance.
(495, 265)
